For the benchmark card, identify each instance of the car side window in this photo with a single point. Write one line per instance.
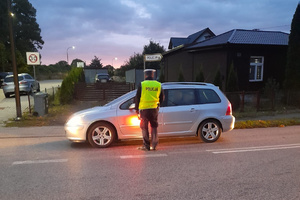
(179, 97)
(126, 104)
(208, 96)
(28, 77)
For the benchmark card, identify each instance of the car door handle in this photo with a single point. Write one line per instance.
(192, 110)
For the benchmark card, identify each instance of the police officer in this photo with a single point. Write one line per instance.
(148, 98)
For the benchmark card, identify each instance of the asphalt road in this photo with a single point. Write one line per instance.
(39, 163)
(8, 105)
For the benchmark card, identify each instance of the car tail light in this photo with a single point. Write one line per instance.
(22, 82)
(229, 109)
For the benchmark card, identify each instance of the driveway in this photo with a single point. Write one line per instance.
(8, 105)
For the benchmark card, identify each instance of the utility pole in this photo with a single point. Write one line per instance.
(14, 65)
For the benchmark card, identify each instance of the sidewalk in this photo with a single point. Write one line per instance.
(38, 131)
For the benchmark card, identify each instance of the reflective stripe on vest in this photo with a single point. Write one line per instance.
(150, 94)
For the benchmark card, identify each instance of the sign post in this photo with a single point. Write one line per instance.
(33, 58)
(152, 58)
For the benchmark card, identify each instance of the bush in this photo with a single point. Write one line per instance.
(68, 85)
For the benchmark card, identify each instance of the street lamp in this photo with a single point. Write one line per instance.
(113, 61)
(73, 47)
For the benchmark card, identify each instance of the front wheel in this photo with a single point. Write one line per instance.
(209, 131)
(101, 135)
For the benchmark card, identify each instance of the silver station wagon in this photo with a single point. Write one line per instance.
(188, 109)
(27, 84)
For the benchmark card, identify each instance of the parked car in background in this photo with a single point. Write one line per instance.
(188, 109)
(27, 84)
(3, 75)
(102, 78)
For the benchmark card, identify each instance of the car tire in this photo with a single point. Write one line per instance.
(38, 89)
(209, 130)
(101, 135)
(7, 95)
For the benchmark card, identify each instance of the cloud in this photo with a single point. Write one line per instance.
(122, 27)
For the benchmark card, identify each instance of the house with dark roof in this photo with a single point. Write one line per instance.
(255, 55)
(191, 39)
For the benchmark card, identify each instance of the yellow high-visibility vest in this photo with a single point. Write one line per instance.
(150, 94)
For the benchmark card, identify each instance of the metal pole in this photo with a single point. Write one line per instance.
(14, 65)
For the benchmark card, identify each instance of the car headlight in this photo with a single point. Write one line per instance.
(74, 123)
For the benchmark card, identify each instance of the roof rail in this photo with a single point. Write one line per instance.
(186, 83)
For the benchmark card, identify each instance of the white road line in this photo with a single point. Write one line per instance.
(143, 156)
(252, 149)
(39, 161)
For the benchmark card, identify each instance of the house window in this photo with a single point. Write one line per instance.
(256, 68)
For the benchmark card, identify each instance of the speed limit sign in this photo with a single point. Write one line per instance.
(33, 58)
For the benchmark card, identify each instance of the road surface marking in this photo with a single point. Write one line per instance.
(252, 149)
(143, 156)
(39, 161)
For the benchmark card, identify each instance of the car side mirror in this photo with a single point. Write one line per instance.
(132, 106)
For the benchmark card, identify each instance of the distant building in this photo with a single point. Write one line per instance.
(256, 56)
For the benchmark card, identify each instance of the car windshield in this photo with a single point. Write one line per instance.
(102, 76)
(11, 79)
(125, 96)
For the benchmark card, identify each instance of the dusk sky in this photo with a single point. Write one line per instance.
(112, 29)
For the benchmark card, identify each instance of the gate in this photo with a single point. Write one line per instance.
(100, 91)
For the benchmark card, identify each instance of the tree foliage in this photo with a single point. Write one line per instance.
(96, 63)
(136, 61)
(292, 74)
(232, 80)
(27, 33)
(200, 76)
(218, 79)
(110, 69)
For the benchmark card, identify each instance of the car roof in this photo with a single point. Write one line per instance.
(170, 85)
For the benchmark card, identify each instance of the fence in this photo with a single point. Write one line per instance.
(254, 100)
(100, 91)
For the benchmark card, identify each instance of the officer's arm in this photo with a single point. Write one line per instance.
(138, 97)
(161, 97)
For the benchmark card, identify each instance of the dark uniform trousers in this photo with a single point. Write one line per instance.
(149, 115)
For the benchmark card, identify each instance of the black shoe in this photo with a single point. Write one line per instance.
(143, 148)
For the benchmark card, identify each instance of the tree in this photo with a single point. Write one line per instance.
(180, 75)
(292, 72)
(110, 69)
(218, 79)
(232, 81)
(27, 33)
(96, 63)
(153, 48)
(200, 76)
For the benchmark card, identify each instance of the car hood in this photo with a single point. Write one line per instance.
(91, 111)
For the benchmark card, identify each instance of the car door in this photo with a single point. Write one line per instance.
(128, 120)
(179, 112)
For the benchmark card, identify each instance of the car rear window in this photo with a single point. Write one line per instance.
(102, 77)
(11, 79)
(208, 96)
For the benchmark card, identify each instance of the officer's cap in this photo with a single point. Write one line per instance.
(149, 71)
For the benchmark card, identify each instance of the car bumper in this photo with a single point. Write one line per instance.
(75, 133)
(11, 89)
(228, 123)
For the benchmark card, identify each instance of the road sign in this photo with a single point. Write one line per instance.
(33, 58)
(153, 57)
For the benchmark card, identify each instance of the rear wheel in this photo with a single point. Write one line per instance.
(209, 131)
(101, 135)
(7, 95)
